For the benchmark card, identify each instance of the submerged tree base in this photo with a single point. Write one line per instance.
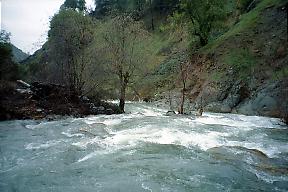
(47, 101)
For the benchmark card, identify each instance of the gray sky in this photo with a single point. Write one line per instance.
(28, 21)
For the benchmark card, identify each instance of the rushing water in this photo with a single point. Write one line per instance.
(145, 150)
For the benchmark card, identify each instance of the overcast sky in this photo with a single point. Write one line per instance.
(28, 21)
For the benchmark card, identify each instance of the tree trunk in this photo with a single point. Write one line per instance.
(286, 7)
(184, 74)
(203, 41)
(181, 108)
(122, 98)
(124, 83)
(170, 101)
(152, 16)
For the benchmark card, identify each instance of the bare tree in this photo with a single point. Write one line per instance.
(184, 74)
(152, 15)
(125, 49)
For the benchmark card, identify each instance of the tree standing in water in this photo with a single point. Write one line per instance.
(126, 52)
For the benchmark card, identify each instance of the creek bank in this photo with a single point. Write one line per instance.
(47, 101)
(245, 71)
(270, 99)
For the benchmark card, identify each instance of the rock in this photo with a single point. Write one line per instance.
(96, 130)
(238, 93)
(100, 110)
(85, 99)
(213, 107)
(170, 113)
(24, 91)
(285, 118)
(264, 103)
(258, 153)
(94, 110)
(109, 111)
(23, 84)
(91, 105)
(225, 109)
(217, 107)
(147, 99)
(199, 112)
(44, 101)
(209, 94)
(53, 117)
(246, 109)
(270, 100)
(272, 169)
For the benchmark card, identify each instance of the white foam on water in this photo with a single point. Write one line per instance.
(113, 101)
(149, 134)
(111, 120)
(145, 187)
(133, 115)
(103, 151)
(46, 145)
(158, 135)
(207, 120)
(85, 142)
(38, 126)
(239, 121)
(147, 110)
(184, 131)
(50, 124)
(151, 113)
(91, 155)
(93, 119)
(72, 134)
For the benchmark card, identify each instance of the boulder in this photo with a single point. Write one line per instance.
(170, 113)
(109, 111)
(271, 100)
(44, 100)
(218, 107)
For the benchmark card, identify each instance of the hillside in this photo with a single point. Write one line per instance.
(248, 73)
(245, 70)
(242, 70)
(18, 54)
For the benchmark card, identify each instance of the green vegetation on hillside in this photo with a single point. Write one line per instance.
(135, 49)
(9, 69)
(18, 55)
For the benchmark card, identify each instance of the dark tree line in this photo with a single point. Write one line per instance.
(9, 70)
(138, 7)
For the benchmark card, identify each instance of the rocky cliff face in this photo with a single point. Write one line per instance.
(269, 99)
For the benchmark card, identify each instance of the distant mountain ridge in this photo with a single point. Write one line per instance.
(18, 54)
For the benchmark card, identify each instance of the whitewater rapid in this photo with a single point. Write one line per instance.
(144, 150)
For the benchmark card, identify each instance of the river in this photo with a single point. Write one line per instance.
(144, 150)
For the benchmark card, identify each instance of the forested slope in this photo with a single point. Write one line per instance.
(223, 56)
(18, 54)
(245, 70)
